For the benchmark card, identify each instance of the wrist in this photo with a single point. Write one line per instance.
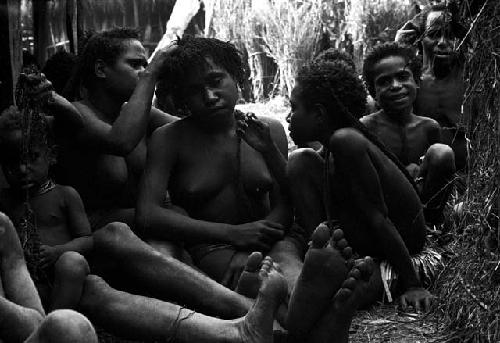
(148, 75)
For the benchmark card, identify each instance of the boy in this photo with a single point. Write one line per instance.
(53, 227)
(391, 72)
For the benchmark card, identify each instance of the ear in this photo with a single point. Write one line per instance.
(320, 113)
(99, 68)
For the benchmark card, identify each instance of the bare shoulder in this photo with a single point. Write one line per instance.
(277, 132)
(274, 124)
(427, 122)
(348, 141)
(159, 118)
(68, 193)
(371, 119)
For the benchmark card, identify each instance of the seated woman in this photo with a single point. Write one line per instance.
(231, 203)
(359, 186)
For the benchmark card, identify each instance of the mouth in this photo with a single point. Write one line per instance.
(399, 97)
(27, 185)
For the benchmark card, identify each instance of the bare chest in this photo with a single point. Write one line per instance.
(440, 100)
(207, 171)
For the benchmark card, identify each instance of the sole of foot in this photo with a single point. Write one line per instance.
(334, 324)
(325, 268)
(257, 325)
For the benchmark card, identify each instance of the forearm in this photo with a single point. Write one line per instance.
(17, 322)
(82, 245)
(133, 120)
(64, 112)
(397, 254)
(166, 224)
(276, 163)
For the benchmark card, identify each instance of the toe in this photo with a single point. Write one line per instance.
(254, 262)
(349, 283)
(347, 253)
(320, 236)
(342, 244)
(355, 273)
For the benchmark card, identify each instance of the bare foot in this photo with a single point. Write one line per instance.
(249, 282)
(257, 325)
(325, 268)
(334, 325)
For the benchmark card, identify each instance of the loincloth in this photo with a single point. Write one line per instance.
(427, 264)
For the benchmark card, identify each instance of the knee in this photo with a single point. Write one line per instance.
(301, 162)
(67, 326)
(441, 158)
(111, 235)
(72, 264)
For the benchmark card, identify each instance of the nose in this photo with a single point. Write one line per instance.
(210, 95)
(289, 117)
(395, 84)
(23, 168)
(442, 42)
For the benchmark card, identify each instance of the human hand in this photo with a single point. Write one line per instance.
(259, 235)
(38, 87)
(413, 169)
(407, 34)
(255, 132)
(155, 66)
(418, 297)
(48, 255)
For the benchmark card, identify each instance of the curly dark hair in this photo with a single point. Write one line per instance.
(337, 86)
(58, 69)
(333, 54)
(39, 132)
(385, 50)
(334, 84)
(191, 54)
(105, 45)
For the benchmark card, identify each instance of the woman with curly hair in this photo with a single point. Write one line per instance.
(231, 203)
(358, 185)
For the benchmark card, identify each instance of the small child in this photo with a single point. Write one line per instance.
(50, 218)
(392, 73)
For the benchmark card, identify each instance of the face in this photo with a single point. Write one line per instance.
(439, 40)
(395, 87)
(123, 75)
(30, 175)
(300, 119)
(210, 94)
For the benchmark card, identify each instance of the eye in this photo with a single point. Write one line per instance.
(383, 81)
(215, 81)
(403, 76)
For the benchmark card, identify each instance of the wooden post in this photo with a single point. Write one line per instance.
(40, 30)
(71, 25)
(11, 56)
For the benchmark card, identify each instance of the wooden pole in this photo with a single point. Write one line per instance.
(71, 25)
(11, 56)
(40, 30)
